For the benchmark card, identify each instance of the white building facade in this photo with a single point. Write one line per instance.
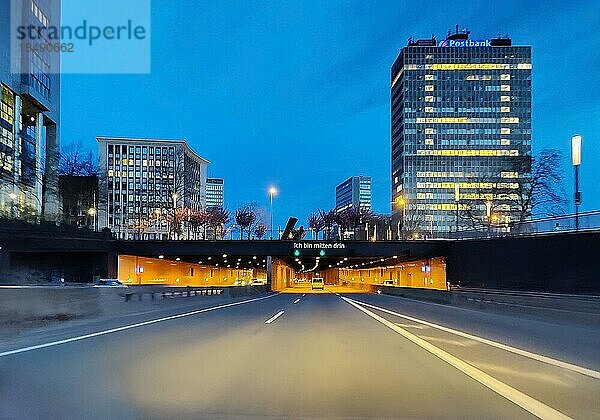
(147, 186)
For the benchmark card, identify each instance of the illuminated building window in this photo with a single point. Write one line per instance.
(505, 88)
(429, 142)
(505, 142)
(505, 109)
(524, 66)
(466, 120)
(505, 98)
(429, 88)
(429, 77)
(429, 99)
(466, 66)
(110, 173)
(430, 131)
(468, 152)
(429, 109)
(509, 174)
(505, 130)
(505, 77)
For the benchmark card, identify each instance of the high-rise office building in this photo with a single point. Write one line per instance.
(460, 132)
(214, 192)
(29, 113)
(146, 184)
(354, 192)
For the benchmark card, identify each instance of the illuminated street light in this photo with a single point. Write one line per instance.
(272, 193)
(576, 155)
(401, 202)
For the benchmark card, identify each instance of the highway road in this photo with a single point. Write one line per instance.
(325, 355)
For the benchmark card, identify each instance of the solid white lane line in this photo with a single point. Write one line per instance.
(535, 407)
(540, 358)
(296, 301)
(274, 317)
(128, 327)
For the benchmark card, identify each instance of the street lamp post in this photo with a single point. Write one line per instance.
(576, 155)
(272, 193)
(401, 202)
(175, 196)
(94, 213)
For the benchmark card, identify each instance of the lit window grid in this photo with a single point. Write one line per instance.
(403, 144)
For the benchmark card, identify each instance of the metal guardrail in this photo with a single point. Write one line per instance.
(168, 292)
(588, 221)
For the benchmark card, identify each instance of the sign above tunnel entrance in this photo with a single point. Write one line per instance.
(317, 248)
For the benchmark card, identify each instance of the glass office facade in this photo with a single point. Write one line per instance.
(460, 129)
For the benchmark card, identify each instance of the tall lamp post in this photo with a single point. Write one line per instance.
(401, 202)
(272, 193)
(175, 196)
(576, 155)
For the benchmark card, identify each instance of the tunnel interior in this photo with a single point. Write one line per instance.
(295, 273)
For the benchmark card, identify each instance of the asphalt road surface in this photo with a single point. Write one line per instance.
(311, 356)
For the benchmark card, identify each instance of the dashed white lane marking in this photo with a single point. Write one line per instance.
(540, 358)
(296, 301)
(535, 407)
(274, 317)
(304, 295)
(128, 327)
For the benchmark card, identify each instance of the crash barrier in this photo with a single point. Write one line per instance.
(577, 308)
(22, 305)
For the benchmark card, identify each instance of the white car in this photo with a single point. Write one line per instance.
(109, 283)
(318, 283)
(258, 282)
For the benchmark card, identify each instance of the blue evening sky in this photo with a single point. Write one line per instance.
(296, 93)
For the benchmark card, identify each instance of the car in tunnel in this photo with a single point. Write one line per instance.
(318, 283)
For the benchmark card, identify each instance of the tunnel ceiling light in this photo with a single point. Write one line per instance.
(160, 257)
(254, 257)
(224, 255)
(209, 258)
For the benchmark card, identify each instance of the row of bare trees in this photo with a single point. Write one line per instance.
(348, 223)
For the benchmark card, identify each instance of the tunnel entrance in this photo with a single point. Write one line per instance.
(360, 275)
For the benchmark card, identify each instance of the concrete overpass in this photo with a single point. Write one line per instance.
(561, 262)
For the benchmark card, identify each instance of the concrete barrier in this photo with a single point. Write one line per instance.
(26, 305)
(582, 309)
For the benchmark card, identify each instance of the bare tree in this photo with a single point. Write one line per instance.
(329, 221)
(543, 191)
(260, 231)
(73, 160)
(245, 217)
(413, 223)
(316, 223)
(218, 217)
